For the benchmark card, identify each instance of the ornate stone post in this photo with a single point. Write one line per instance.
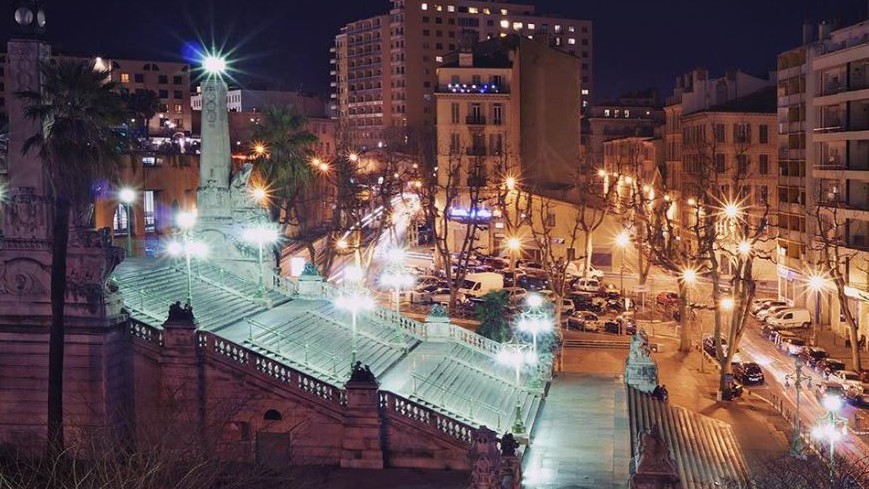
(179, 373)
(485, 460)
(310, 282)
(361, 447)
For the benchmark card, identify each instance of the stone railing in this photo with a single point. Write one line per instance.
(147, 333)
(284, 285)
(475, 341)
(244, 359)
(409, 326)
(477, 408)
(393, 405)
(138, 303)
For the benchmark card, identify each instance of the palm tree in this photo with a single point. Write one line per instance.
(283, 163)
(78, 109)
(491, 313)
(142, 105)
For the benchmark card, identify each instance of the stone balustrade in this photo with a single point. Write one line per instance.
(394, 405)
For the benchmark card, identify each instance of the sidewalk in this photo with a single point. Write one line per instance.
(761, 431)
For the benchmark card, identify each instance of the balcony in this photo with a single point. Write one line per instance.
(476, 151)
(481, 89)
(475, 120)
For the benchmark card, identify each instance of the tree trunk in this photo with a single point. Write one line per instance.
(589, 248)
(684, 331)
(853, 327)
(60, 235)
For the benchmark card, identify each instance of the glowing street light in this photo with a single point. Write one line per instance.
(744, 248)
(260, 235)
(732, 210)
(689, 275)
(185, 220)
(516, 356)
(798, 377)
(342, 244)
(601, 173)
(213, 64)
(510, 183)
(188, 249)
(259, 194)
(622, 241)
(726, 304)
(353, 157)
(397, 280)
(127, 196)
(354, 302)
(831, 429)
(514, 246)
(259, 149)
(534, 323)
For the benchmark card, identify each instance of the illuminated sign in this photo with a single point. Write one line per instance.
(476, 214)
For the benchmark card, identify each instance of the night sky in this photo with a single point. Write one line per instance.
(285, 43)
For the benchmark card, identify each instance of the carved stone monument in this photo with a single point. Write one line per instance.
(653, 467)
(641, 371)
(361, 445)
(310, 282)
(485, 460)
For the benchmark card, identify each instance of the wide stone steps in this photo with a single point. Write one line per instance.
(705, 450)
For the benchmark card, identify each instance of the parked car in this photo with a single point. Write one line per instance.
(533, 282)
(793, 345)
(857, 396)
(516, 295)
(667, 298)
(583, 321)
(529, 265)
(441, 296)
(709, 345)
(576, 268)
(811, 355)
(613, 327)
(848, 378)
(495, 262)
(768, 331)
(791, 319)
(763, 314)
(827, 388)
(748, 373)
(828, 366)
(587, 285)
(567, 307)
(586, 303)
(761, 304)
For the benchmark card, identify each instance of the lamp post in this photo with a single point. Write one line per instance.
(534, 321)
(397, 279)
(514, 245)
(187, 247)
(831, 429)
(516, 355)
(260, 235)
(127, 196)
(622, 241)
(816, 284)
(354, 301)
(798, 377)
(689, 277)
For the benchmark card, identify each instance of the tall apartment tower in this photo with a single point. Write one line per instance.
(385, 67)
(823, 115)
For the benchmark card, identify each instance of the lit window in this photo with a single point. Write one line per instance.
(473, 10)
(585, 91)
(125, 78)
(517, 26)
(439, 8)
(451, 8)
(570, 28)
(531, 26)
(606, 112)
(503, 11)
(557, 29)
(439, 59)
(487, 11)
(627, 113)
(424, 6)
(571, 41)
(504, 24)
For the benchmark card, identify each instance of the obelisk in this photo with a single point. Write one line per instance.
(212, 197)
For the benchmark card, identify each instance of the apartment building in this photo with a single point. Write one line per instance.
(495, 119)
(823, 115)
(631, 115)
(385, 67)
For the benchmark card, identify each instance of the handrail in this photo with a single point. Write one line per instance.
(144, 295)
(446, 390)
(359, 331)
(480, 343)
(409, 326)
(396, 405)
(284, 338)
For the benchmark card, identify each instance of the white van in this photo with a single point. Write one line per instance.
(576, 268)
(480, 284)
(792, 318)
(587, 285)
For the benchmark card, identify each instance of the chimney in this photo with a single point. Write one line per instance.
(807, 32)
(823, 31)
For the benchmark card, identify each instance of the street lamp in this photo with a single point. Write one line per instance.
(188, 249)
(744, 248)
(516, 355)
(397, 279)
(510, 183)
(260, 235)
(127, 196)
(535, 321)
(731, 210)
(514, 245)
(689, 277)
(816, 284)
(798, 377)
(622, 241)
(213, 64)
(831, 429)
(354, 302)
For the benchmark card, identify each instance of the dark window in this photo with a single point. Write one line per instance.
(425, 19)
(763, 164)
(176, 80)
(272, 415)
(163, 79)
(140, 78)
(439, 20)
(176, 94)
(764, 134)
(164, 93)
(720, 165)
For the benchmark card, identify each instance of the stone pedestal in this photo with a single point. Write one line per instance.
(641, 372)
(310, 283)
(437, 324)
(180, 395)
(361, 447)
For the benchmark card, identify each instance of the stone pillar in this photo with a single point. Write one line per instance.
(437, 324)
(361, 447)
(179, 372)
(310, 283)
(641, 371)
(485, 460)
(213, 199)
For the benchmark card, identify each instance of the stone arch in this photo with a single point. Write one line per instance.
(272, 415)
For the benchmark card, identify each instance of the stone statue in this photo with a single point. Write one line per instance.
(508, 445)
(640, 345)
(177, 312)
(362, 374)
(641, 371)
(310, 270)
(438, 310)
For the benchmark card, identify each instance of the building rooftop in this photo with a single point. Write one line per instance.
(762, 101)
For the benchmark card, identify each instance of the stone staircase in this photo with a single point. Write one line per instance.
(219, 298)
(706, 451)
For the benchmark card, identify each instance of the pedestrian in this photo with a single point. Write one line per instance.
(862, 343)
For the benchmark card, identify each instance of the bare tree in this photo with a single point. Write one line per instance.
(836, 261)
